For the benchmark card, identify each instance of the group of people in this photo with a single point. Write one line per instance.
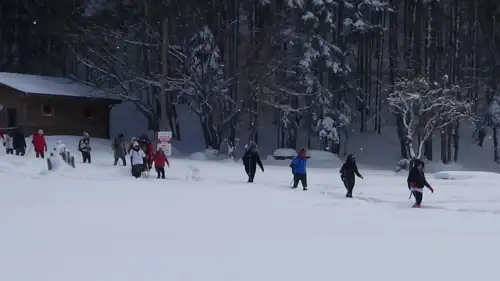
(142, 155)
(416, 180)
(14, 141)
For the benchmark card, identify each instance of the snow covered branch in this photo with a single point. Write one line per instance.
(426, 106)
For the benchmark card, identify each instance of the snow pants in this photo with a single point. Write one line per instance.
(302, 178)
(124, 161)
(418, 197)
(349, 186)
(250, 170)
(137, 170)
(86, 156)
(160, 172)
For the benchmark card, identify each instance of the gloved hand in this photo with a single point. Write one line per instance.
(431, 189)
(361, 177)
(262, 169)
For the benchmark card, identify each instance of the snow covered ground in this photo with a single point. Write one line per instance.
(98, 223)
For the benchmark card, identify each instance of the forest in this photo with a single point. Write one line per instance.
(325, 67)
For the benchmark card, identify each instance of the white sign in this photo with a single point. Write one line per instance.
(164, 139)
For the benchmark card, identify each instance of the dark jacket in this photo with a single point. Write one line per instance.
(19, 142)
(251, 159)
(84, 145)
(119, 148)
(416, 178)
(349, 169)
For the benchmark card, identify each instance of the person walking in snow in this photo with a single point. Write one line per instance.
(9, 143)
(348, 172)
(39, 144)
(416, 182)
(160, 159)
(137, 160)
(19, 142)
(119, 149)
(251, 159)
(299, 169)
(85, 148)
(131, 144)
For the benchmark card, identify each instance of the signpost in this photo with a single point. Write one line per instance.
(164, 139)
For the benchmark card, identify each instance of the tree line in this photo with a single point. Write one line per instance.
(324, 67)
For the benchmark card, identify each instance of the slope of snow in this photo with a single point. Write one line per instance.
(97, 223)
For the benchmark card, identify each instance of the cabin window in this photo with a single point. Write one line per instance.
(47, 110)
(87, 112)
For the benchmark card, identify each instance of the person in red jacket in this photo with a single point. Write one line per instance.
(160, 159)
(39, 144)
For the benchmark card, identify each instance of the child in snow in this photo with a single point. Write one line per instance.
(347, 174)
(8, 143)
(416, 182)
(299, 169)
(160, 159)
(250, 160)
(19, 142)
(84, 148)
(137, 160)
(39, 144)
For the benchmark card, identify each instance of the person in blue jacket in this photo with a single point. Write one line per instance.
(299, 169)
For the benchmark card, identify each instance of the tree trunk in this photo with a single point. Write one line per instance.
(456, 139)
(496, 158)
(402, 137)
(164, 101)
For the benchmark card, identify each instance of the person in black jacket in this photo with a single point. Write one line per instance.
(19, 142)
(250, 160)
(416, 182)
(347, 174)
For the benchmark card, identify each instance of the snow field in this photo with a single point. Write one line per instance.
(98, 223)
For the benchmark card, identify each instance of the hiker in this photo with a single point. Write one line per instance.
(416, 182)
(160, 159)
(85, 148)
(137, 160)
(251, 159)
(348, 172)
(299, 169)
(119, 149)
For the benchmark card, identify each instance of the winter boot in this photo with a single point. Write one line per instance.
(305, 189)
(416, 206)
(348, 195)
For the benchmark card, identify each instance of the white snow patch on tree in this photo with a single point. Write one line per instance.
(426, 106)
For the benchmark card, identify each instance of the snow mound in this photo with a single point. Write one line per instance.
(284, 153)
(207, 155)
(464, 175)
(321, 155)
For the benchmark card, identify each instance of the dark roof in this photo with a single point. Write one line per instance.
(53, 86)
